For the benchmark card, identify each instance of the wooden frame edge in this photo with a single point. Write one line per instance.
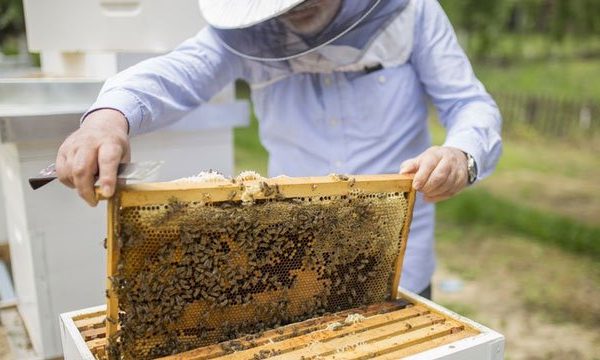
(112, 260)
(412, 195)
(288, 187)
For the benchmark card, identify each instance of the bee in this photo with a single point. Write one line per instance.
(231, 195)
(266, 189)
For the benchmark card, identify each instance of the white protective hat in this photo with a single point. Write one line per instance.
(253, 29)
(238, 14)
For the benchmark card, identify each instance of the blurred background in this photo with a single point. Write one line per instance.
(520, 251)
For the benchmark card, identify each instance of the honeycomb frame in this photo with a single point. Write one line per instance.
(252, 192)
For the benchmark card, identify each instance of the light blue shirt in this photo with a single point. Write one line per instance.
(338, 122)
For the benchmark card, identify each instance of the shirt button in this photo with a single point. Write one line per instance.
(381, 79)
(338, 164)
(334, 122)
(327, 81)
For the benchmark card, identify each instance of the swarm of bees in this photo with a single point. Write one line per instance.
(194, 274)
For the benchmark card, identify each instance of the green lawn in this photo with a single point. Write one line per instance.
(571, 79)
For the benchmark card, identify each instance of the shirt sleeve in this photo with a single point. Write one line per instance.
(469, 114)
(159, 91)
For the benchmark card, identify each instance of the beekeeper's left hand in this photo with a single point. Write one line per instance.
(440, 172)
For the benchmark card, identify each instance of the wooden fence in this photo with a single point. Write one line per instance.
(549, 115)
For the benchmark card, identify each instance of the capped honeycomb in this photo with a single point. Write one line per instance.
(195, 264)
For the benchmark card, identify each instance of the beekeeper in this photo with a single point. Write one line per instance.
(339, 86)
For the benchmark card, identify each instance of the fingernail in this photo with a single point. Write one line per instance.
(106, 190)
(417, 185)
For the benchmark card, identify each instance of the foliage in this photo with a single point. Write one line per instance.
(249, 152)
(12, 23)
(477, 206)
(487, 23)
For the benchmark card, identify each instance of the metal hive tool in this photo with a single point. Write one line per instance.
(198, 263)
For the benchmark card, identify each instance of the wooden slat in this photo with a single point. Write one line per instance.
(90, 316)
(435, 309)
(156, 193)
(90, 323)
(428, 345)
(93, 333)
(330, 343)
(295, 347)
(390, 344)
(96, 343)
(288, 331)
(405, 230)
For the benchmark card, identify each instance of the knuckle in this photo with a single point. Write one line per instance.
(437, 179)
(80, 170)
(107, 180)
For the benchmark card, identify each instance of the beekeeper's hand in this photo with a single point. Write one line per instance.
(100, 144)
(440, 172)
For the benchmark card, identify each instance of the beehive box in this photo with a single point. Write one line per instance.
(411, 327)
(222, 262)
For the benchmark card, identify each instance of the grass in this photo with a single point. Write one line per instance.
(568, 79)
(477, 206)
(249, 152)
(561, 286)
(535, 211)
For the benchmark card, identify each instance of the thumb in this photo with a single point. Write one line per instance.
(409, 166)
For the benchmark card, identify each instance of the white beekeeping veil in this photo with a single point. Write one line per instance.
(255, 29)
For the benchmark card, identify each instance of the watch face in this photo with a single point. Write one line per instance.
(471, 169)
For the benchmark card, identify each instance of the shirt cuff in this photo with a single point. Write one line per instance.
(124, 102)
(469, 144)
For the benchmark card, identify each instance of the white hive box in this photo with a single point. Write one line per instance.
(83, 335)
(110, 25)
(56, 268)
(3, 234)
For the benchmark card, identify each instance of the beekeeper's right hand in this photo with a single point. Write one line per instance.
(97, 148)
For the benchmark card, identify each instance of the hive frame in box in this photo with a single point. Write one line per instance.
(327, 186)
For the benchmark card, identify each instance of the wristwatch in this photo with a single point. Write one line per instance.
(471, 168)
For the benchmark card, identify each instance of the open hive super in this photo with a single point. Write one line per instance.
(198, 263)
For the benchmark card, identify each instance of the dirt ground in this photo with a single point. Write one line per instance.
(4, 350)
(545, 301)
